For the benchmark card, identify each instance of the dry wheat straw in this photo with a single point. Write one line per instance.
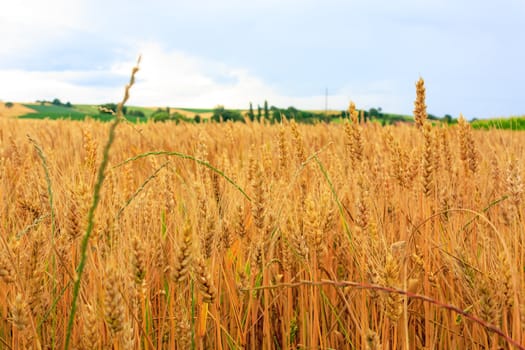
(193, 262)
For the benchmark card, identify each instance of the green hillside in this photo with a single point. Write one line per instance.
(54, 112)
(76, 112)
(136, 114)
(512, 123)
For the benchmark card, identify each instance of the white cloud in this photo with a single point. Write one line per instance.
(28, 86)
(27, 24)
(173, 78)
(178, 79)
(50, 13)
(165, 78)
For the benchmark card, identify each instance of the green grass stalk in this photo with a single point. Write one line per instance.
(91, 214)
(186, 156)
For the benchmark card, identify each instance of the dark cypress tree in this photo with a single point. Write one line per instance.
(250, 113)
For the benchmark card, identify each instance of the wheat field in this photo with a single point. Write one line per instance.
(259, 236)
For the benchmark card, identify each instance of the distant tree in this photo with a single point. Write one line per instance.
(250, 113)
(373, 112)
(57, 102)
(299, 115)
(266, 111)
(9, 104)
(447, 119)
(222, 114)
(197, 118)
(160, 116)
(276, 114)
(259, 112)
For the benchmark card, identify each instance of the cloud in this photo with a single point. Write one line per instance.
(28, 86)
(233, 52)
(174, 78)
(165, 78)
(179, 79)
(29, 25)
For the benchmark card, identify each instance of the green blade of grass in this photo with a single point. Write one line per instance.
(91, 213)
(186, 156)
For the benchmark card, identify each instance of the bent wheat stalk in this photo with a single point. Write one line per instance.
(375, 287)
(186, 156)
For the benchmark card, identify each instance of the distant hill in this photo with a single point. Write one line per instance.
(511, 123)
(48, 110)
(45, 110)
(13, 110)
(57, 110)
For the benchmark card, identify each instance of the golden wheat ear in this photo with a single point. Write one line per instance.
(420, 108)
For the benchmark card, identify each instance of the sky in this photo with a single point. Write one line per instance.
(307, 53)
